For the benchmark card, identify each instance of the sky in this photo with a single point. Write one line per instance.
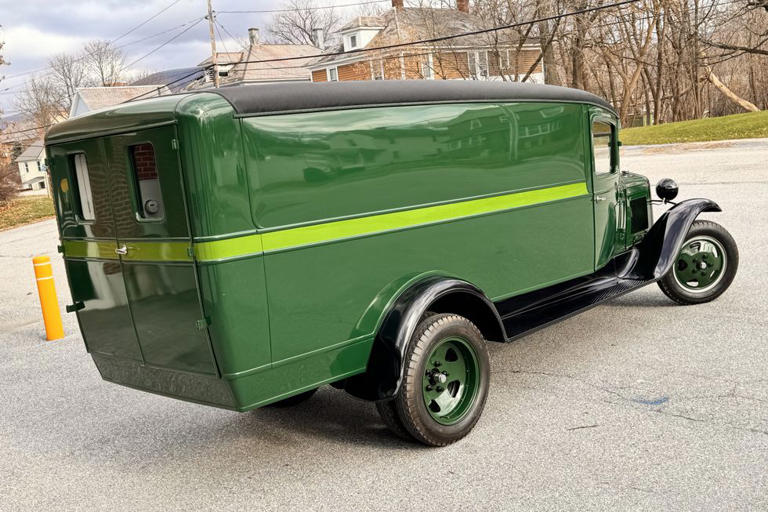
(34, 30)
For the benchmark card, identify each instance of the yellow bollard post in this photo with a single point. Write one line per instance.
(49, 303)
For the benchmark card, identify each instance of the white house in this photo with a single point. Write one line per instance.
(32, 167)
(87, 99)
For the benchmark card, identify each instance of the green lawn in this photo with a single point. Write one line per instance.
(738, 126)
(23, 210)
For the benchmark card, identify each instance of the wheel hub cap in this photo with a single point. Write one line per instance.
(701, 264)
(451, 380)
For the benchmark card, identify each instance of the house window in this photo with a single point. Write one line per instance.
(377, 70)
(333, 75)
(147, 181)
(478, 64)
(83, 188)
(353, 41)
(426, 68)
(26, 168)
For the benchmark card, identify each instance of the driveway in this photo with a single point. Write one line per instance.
(638, 404)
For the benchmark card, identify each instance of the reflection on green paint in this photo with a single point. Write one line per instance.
(319, 233)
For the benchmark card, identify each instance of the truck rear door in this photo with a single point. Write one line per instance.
(153, 241)
(80, 182)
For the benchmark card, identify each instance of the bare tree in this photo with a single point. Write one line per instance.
(302, 16)
(41, 101)
(105, 62)
(68, 73)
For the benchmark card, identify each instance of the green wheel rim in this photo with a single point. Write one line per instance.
(451, 380)
(701, 264)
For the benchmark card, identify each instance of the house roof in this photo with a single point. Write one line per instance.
(100, 97)
(32, 152)
(245, 70)
(223, 58)
(175, 79)
(270, 99)
(364, 22)
(408, 24)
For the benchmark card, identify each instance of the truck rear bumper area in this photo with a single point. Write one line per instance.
(201, 389)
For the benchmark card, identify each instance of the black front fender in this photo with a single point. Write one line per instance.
(658, 250)
(439, 294)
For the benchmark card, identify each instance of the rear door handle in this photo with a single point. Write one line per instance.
(596, 199)
(121, 250)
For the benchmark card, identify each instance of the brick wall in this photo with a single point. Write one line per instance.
(144, 160)
(319, 75)
(355, 71)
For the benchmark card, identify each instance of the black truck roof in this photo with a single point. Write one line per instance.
(267, 99)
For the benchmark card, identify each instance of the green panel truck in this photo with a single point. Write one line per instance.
(244, 246)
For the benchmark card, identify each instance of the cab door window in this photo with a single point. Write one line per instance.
(603, 137)
(147, 181)
(83, 186)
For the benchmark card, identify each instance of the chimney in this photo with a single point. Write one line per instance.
(253, 36)
(318, 38)
(462, 5)
(397, 4)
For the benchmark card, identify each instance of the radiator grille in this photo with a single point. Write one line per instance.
(639, 212)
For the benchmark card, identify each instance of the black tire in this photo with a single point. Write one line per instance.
(409, 403)
(295, 399)
(671, 285)
(388, 412)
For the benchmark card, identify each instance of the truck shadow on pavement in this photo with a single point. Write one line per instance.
(330, 415)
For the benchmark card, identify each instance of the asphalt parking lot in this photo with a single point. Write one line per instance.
(638, 404)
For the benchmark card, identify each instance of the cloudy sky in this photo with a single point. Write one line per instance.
(34, 30)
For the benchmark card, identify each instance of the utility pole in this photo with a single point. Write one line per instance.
(213, 46)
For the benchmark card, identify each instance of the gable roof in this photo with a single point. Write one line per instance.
(403, 25)
(99, 97)
(33, 152)
(364, 22)
(175, 79)
(245, 70)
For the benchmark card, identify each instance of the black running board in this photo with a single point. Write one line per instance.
(529, 312)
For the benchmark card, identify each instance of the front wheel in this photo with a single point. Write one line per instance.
(446, 377)
(705, 266)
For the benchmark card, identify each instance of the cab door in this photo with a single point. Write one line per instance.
(154, 245)
(605, 186)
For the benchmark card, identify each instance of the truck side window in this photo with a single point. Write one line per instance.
(150, 205)
(602, 146)
(83, 186)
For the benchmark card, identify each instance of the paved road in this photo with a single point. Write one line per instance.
(637, 404)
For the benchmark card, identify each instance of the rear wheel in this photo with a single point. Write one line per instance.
(705, 266)
(446, 377)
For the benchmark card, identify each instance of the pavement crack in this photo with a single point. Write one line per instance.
(582, 427)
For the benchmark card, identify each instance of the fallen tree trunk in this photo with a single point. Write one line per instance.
(746, 105)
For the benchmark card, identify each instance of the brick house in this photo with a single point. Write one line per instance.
(493, 56)
(240, 67)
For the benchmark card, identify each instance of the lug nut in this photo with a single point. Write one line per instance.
(440, 389)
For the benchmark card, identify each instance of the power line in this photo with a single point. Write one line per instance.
(145, 21)
(379, 48)
(272, 11)
(16, 88)
(113, 40)
(446, 38)
(165, 43)
(384, 47)
(230, 35)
